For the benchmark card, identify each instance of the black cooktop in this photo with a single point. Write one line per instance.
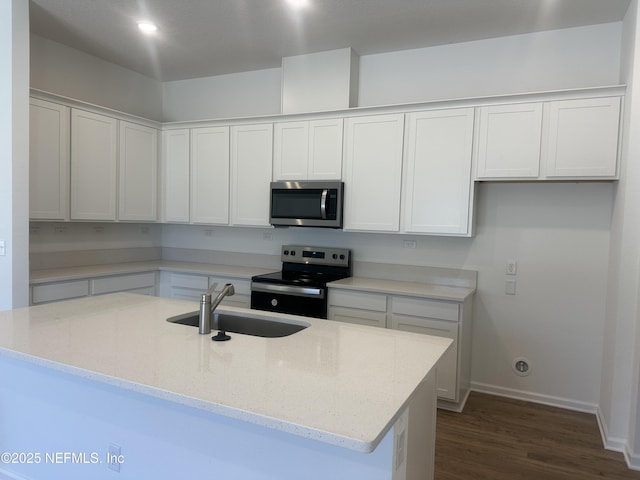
(316, 279)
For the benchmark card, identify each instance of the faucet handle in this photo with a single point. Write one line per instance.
(213, 286)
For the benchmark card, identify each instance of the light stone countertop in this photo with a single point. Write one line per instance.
(334, 382)
(395, 287)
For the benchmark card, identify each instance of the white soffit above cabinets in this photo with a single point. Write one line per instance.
(199, 38)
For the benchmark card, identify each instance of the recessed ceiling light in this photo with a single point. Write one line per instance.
(298, 3)
(147, 27)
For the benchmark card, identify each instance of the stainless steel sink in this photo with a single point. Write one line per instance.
(257, 327)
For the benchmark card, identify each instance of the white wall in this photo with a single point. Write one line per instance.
(14, 152)
(224, 96)
(555, 60)
(618, 400)
(66, 71)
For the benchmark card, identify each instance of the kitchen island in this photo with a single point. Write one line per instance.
(104, 374)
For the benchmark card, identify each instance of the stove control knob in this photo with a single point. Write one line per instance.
(274, 302)
(335, 256)
(286, 252)
(293, 253)
(342, 257)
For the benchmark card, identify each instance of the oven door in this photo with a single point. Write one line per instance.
(305, 301)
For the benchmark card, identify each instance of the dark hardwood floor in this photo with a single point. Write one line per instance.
(498, 438)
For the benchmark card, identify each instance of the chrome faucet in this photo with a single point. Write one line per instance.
(207, 306)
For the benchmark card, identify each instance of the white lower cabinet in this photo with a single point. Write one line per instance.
(358, 307)
(140, 283)
(419, 315)
(56, 291)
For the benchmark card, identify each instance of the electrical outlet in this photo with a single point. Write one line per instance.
(267, 236)
(208, 233)
(144, 230)
(512, 267)
(410, 244)
(98, 230)
(3, 248)
(59, 230)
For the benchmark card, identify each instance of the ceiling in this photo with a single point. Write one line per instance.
(199, 38)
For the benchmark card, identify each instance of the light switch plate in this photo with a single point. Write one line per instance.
(510, 287)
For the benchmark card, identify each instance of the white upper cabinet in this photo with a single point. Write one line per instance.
(582, 137)
(308, 150)
(437, 180)
(372, 172)
(210, 175)
(509, 141)
(564, 139)
(48, 161)
(175, 175)
(138, 169)
(94, 155)
(251, 170)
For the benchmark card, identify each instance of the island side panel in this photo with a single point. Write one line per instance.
(50, 412)
(415, 434)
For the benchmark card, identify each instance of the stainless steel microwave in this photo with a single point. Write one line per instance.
(307, 203)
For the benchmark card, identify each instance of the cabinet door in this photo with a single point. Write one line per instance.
(94, 157)
(48, 161)
(438, 175)
(325, 149)
(175, 175)
(210, 175)
(251, 166)
(372, 172)
(138, 167)
(509, 141)
(582, 137)
(291, 151)
(447, 367)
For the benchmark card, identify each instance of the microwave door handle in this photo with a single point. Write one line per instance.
(323, 204)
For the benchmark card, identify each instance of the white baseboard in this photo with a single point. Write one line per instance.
(535, 397)
(633, 460)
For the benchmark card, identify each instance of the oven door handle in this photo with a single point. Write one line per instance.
(287, 289)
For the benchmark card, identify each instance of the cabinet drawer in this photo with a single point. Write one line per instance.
(60, 291)
(421, 307)
(122, 283)
(366, 301)
(360, 317)
(196, 282)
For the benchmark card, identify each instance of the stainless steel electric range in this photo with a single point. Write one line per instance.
(300, 288)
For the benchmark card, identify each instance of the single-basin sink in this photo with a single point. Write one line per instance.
(257, 327)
